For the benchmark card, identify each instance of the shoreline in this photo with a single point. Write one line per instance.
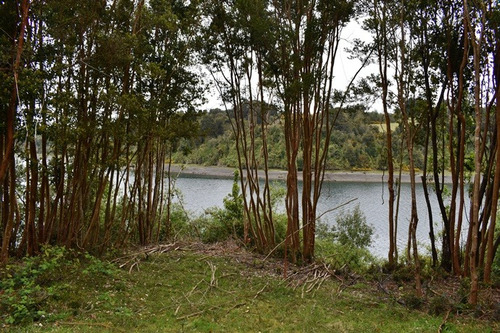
(193, 170)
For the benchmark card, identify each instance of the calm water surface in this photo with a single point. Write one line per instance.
(202, 193)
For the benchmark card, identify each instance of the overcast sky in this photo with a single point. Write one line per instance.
(344, 70)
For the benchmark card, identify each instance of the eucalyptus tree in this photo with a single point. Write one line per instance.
(404, 76)
(429, 55)
(106, 92)
(238, 36)
(14, 21)
(380, 23)
(490, 243)
(393, 42)
(166, 36)
(304, 58)
(482, 39)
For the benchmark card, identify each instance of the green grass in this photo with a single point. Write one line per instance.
(187, 291)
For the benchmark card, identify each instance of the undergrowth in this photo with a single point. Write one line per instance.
(201, 291)
(28, 288)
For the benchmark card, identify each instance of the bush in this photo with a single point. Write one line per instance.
(351, 229)
(411, 301)
(219, 224)
(28, 287)
(343, 257)
(180, 222)
(344, 245)
(438, 305)
(222, 223)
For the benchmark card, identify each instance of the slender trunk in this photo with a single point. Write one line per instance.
(476, 202)
(496, 183)
(409, 132)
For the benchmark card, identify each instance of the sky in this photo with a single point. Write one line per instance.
(344, 69)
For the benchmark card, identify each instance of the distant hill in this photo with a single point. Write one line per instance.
(357, 142)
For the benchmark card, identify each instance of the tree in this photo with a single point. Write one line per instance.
(235, 52)
(378, 22)
(302, 67)
(8, 166)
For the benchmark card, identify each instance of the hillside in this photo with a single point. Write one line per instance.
(357, 142)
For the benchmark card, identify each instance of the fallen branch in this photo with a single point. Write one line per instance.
(234, 307)
(213, 280)
(192, 314)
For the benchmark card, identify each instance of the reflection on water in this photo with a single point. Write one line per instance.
(202, 193)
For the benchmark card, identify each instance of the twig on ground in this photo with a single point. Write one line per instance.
(443, 324)
(260, 291)
(234, 307)
(135, 264)
(213, 280)
(194, 288)
(191, 315)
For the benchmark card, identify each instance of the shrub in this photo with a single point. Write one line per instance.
(351, 229)
(439, 305)
(344, 245)
(343, 257)
(26, 286)
(411, 301)
(180, 222)
(222, 223)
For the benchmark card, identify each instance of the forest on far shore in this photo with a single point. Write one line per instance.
(357, 142)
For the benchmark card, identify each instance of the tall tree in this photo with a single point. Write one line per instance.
(15, 21)
(306, 51)
(382, 29)
(235, 55)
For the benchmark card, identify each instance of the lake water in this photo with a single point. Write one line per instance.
(202, 193)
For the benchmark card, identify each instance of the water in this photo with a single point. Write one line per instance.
(372, 198)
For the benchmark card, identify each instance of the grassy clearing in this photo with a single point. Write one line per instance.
(190, 289)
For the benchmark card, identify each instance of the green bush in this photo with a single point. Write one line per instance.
(222, 223)
(180, 223)
(344, 245)
(219, 224)
(351, 229)
(438, 305)
(343, 257)
(29, 286)
(26, 286)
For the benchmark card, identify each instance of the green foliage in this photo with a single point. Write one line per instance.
(344, 245)
(26, 286)
(180, 222)
(222, 223)
(343, 257)
(94, 266)
(411, 301)
(178, 291)
(29, 286)
(438, 305)
(351, 229)
(356, 144)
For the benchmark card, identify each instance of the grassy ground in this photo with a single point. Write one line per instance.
(195, 288)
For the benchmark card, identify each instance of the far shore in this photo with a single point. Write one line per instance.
(193, 170)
